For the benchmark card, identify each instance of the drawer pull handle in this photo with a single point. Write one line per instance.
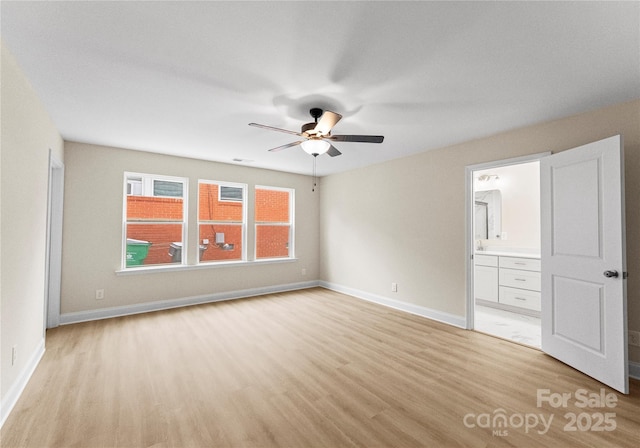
(520, 298)
(521, 279)
(520, 263)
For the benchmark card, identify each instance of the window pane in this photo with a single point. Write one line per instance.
(272, 205)
(155, 220)
(149, 244)
(272, 241)
(274, 226)
(167, 188)
(222, 221)
(224, 242)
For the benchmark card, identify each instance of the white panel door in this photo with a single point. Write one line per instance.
(584, 304)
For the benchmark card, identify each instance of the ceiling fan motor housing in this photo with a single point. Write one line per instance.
(308, 129)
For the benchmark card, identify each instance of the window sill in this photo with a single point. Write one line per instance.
(193, 267)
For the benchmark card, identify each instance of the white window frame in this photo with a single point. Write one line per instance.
(245, 189)
(291, 224)
(147, 187)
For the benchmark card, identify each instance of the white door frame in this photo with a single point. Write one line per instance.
(53, 267)
(469, 207)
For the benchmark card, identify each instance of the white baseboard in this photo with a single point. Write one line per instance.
(451, 319)
(14, 392)
(106, 313)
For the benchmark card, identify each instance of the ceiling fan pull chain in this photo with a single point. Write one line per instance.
(315, 156)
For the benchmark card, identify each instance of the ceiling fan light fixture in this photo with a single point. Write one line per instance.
(315, 146)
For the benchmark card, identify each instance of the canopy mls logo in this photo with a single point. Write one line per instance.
(501, 422)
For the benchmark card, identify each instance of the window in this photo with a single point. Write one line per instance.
(274, 222)
(227, 193)
(222, 219)
(167, 188)
(134, 186)
(154, 220)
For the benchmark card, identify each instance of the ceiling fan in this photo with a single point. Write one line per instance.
(317, 135)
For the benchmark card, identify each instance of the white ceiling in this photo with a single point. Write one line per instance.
(185, 78)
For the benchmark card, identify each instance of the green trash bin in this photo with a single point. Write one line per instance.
(137, 251)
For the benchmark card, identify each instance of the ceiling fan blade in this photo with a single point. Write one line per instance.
(327, 122)
(333, 151)
(271, 128)
(357, 138)
(288, 145)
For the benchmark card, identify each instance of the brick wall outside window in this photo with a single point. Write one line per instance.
(272, 241)
(272, 205)
(211, 209)
(153, 208)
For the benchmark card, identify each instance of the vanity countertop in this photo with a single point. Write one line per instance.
(508, 254)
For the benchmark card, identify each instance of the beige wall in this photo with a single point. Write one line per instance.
(92, 238)
(404, 221)
(27, 135)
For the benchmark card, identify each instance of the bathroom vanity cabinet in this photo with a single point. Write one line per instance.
(508, 281)
(486, 277)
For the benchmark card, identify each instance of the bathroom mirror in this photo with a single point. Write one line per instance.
(488, 215)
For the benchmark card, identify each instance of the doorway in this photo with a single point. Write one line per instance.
(505, 230)
(582, 270)
(53, 269)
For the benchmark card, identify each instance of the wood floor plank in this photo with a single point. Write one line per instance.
(311, 368)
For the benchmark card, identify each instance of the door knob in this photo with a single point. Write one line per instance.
(610, 274)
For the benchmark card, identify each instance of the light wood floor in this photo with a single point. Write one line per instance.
(311, 368)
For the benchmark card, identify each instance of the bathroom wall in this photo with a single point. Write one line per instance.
(520, 189)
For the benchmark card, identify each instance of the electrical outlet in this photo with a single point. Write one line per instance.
(304, 271)
(14, 354)
(394, 287)
(99, 294)
(634, 338)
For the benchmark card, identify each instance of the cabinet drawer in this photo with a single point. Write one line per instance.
(485, 260)
(520, 297)
(526, 264)
(520, 279)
